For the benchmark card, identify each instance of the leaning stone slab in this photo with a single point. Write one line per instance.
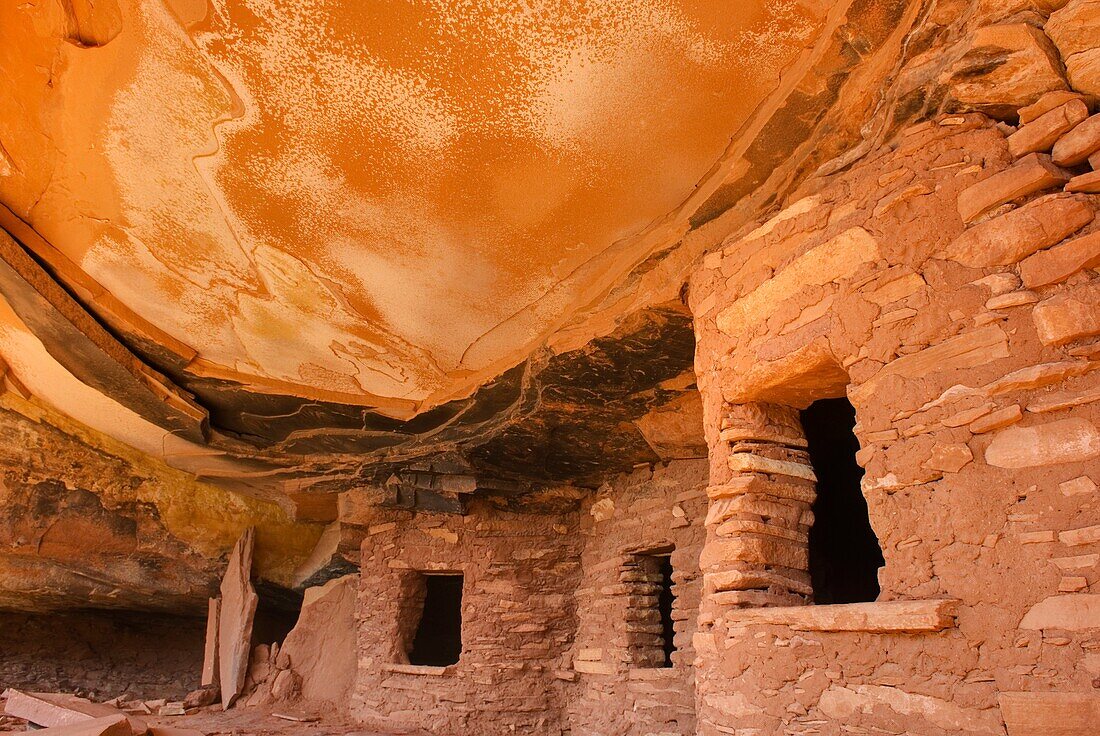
(883, 617)
(321, 648)
(115, 725)
(1051, 714)
(238, 609)
(59, 709)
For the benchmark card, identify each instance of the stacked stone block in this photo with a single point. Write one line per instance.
(758, 521)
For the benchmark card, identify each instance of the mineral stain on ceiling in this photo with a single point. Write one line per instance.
(377, 203)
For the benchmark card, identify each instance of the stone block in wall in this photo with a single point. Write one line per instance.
(926, 713)
(1051, 714)
(968, 350)
(1087, 183)
(1073, 612)
(1069, 316)
(1060, 262)
(1004, 240)
(1005, 67)
(1064, 441)
(1031, 174)
(718, 553)
(1046, 103)
(997, 420)
(747, 462)
(1075, 147)
(1042, 133)
(1038, 376)
(880, 617)
(831, 261)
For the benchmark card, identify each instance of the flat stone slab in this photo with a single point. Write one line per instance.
(884, 617)
(115, 725)
(60, 709)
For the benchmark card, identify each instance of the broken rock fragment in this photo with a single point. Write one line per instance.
(1069, 316)
(200, 698)
(1075, 30)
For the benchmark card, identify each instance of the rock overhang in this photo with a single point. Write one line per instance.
(597, 336)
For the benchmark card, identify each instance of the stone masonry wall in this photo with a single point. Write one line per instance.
(520, 572)
(614, 695)
(947, 285)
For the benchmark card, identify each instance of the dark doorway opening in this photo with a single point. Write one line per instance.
(844, 552)
(276, 613)
(438, 639)
(665, 600)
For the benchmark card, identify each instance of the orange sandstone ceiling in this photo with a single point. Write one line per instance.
(384, 202)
